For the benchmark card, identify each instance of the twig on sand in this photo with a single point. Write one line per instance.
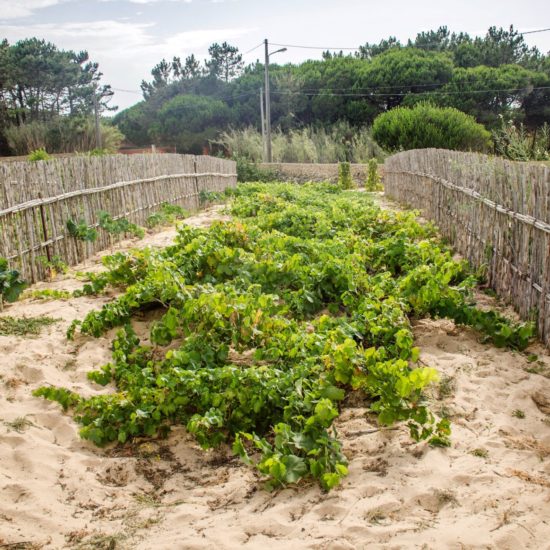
(368, 432)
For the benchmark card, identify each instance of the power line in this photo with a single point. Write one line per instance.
(325, 48)
(533, 32)
(353, 89)
(126, 91)
(252, 49)
(336, 92)
(376, 94)
(312, 47)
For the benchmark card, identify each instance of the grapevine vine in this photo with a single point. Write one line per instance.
(269, 321)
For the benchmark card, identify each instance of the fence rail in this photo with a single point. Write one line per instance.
(495, 212)
(37, 200)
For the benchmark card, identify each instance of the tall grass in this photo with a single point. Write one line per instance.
(61, 135)
(339, 143)
(516, 143)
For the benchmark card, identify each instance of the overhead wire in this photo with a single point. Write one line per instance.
(327, 92)
(252, 49)
(125, 91)
(533, 32)
(347, 48)
(376, 94)
(337, 93)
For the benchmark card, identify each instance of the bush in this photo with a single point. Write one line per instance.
(425, 125)
(516, 143)
(38, 154)
(189, 122)
(345, 180)
(62, 135)
(373, 183)
(11, 284)
(248, 171)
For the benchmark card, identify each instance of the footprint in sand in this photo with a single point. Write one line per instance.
(15, 493)
(30, 375)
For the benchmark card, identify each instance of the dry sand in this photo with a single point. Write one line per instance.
(491, 489)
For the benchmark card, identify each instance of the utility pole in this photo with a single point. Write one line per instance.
(267, 105)
(98, 143)
(268, 155)
(263, 123)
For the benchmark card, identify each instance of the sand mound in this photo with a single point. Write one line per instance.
(491, 489)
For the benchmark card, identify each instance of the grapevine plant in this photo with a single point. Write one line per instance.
(268, 323)
(11, 284)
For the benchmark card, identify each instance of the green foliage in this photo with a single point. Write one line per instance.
(225, 61)
(425, 125)
(81, 230)
(11, 284)
(373, 183)
(516, 143)
(336, 143)
(480, 453)
(54, 266)
(46, 97)
(405, 70)
(167, 215)
(64, 397)
(189, 121)
(38, 154)
(63, 135)
(486, 76)
(269, 321)
(345, 181)
(24, 326)
(472, 91)
(119, 226)
(210, 197)
(248, 171)
(47, 294)
(99, 152)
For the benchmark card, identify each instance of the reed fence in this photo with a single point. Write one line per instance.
(37, 199)
(496, 213)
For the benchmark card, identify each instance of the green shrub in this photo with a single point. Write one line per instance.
(167, 215)
(425, 125)
(38, 154)
(81, 231)
(248, 171)
(373, 183)
(345, 180)
(62, 135)
(98, 153)
(516, 143)
(11, 284)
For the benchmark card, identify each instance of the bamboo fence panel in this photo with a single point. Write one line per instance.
(37, 199)
(495, 212)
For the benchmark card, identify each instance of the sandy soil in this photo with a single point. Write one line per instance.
(491, 489)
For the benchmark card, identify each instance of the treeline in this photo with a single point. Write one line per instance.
(492, 78)
(47, 95)
(47, 98)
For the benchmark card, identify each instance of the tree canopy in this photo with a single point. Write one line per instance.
(39, 83)
(486, 77)
(494, 77)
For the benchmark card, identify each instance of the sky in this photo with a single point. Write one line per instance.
(128, 37)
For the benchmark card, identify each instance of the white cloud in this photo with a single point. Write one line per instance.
(10, 9)
(121, 39)
(126, 51)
